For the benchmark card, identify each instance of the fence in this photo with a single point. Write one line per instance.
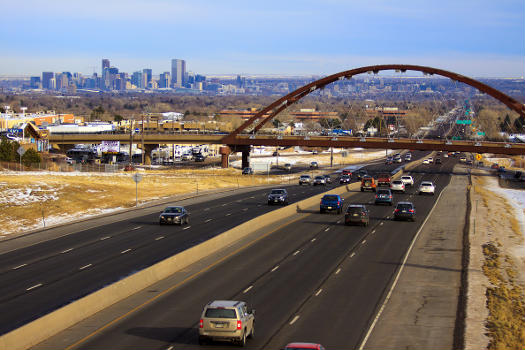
(61, 167)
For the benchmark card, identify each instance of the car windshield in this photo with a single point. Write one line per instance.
(173, 210)
(397, 182)
(305, 176)
(406, 177)
(220, 313)
(383, 192)
(345, 176)
(319, 177)
(354, 209)
(426, 184)
(277, 192)
(330, 198)
(404, 206)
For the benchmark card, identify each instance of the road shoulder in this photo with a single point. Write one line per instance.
(421, 312)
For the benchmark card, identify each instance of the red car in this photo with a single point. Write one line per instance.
(303, 346)
(346, 172)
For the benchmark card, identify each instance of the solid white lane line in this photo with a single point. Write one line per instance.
(353, 254)
(159, 238)
(66, 251)
(125, 251)
(364, 241)
(326, 229)
(187, 227)
(208, 220)
(136, 228)
(104, 238)
(247, 289)
(313, 239)
(228, 214)
(294, 319)
(35, 286)
(338, 270)
(19, 266)
(318, 292)
(296, 252)
(85, 266)
(275, 268)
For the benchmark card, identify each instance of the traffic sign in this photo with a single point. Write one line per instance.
(479, 157)
(137, 177)
(21, 150)
(464, 121)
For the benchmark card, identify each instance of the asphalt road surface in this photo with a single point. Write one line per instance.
(40, 278)
(315, 280)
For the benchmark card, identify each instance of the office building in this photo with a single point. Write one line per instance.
(46, 78)
(165, 80)
(35, 83)
(137, 80)
(178, 72)
(105, 65)
(148, 73)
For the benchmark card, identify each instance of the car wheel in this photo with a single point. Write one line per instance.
(362, 189)
(202, 340)
(321, 211)
(187, 221)
(252, 333)
(242, 341)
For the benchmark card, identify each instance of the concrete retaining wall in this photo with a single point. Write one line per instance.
(58, 320)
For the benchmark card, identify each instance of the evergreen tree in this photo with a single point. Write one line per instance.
(7, 153)
(519, 124)
(31, 157)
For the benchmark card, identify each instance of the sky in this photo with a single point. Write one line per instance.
(478, 38)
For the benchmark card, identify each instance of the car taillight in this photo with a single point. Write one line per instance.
(239, 325)
(363, 213)
(396, 211)
(201, 324)
(338, 202)
(411, 210)
(390, 196)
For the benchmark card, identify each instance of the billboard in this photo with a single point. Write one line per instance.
(110, 146)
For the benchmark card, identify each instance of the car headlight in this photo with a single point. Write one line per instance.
(162, 217)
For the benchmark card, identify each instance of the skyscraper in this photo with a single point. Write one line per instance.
(165, 80)
(105, 64)
(149, 74)
(46, 78)
(178, 72)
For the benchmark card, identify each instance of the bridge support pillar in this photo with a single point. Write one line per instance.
(245, 158)
(225, 151)
(147, 153)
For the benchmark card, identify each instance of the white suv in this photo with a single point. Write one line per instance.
(227, 320)
(426, 187)
(407, 180)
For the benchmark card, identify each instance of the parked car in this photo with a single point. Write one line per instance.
(319, 180)
(383, 196)
(226, 320)
(247, 171)
(407, 180)
(328, 179)
(288, 167)
(305, 179)
(199, 158)
(426, 187)
(345, 179)
(303, 346)
(397, 186)
(331, 202)
(357, 214)
(314, 165)
(405, 211)
(368, 183)
(278, 196)
(174, 215)
(383, 179)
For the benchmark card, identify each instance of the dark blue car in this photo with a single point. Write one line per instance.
(331, 202)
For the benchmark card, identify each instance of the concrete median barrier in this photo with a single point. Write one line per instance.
(60, 319)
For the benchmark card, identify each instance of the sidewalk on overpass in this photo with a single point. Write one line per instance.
(421, 311)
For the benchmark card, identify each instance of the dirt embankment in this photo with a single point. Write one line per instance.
(496, 284)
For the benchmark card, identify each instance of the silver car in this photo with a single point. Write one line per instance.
(319, 180)
(397, 186)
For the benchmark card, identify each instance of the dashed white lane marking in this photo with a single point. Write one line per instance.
(313, 239)
(208, 220)
(170, 348)
(35, 286)
(159, 238)
(206, 209)
(104, 238)
(136, 228)
(294, 319)
(125, 251)
(275, 268)
(228, 214)
(381, 224)
(19, 266)
(85, 266)
(338, 221)
(247, 289)
(296, 252)
(373, 231)
(245, 209)
(326, 229)
(318, 292)
(66, 251)
(252, 197)
(187, 227)
(353, 254)
(338, 270)
(364, 241)
(225, 204)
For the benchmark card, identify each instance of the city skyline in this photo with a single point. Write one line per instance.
(474, 38)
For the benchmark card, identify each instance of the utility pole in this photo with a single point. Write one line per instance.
(131, 142)
(142, 132)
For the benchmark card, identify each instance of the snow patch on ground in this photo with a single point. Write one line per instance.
(26, 195)
(516, 198)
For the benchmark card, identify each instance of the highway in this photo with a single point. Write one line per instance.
(39, 278)
(314, 280)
